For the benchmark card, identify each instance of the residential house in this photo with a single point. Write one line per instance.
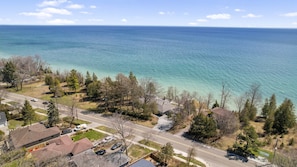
(62, 146)
(164, 105)
(143, 163)
(3, 119)
(32, 135)
(90, 159)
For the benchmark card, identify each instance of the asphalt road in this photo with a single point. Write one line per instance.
(212, 156)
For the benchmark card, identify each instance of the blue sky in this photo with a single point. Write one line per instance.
(209, 13)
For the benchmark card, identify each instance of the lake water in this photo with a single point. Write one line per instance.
(189, 58)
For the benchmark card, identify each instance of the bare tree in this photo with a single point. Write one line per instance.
(172, 93)
(254, 94)
(239, 102)
(150, 89)
(123, 129)
(122, 87)
(26, 68)
(209, 100)
(225, 95)
(73, 109)
(191, 154)
(227, 122)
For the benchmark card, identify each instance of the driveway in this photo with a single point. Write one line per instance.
(164, 123)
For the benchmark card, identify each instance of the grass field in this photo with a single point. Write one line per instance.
(91, 134)
(136, 152)
(150, 144)
(107, 129)
(13, 124)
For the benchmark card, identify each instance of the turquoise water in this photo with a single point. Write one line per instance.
(194, 59)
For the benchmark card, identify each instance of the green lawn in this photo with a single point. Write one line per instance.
(90, 134)
(150, 144)
(107, 129)
(13, 124)
(136, 151)
(40, 110)
(75, 121)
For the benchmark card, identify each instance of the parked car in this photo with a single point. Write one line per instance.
(116, 145)
(34, 100)
(108, 139)
(100, 152)
(45, 103)
(80, 127)
(123, 148)
(66, 131)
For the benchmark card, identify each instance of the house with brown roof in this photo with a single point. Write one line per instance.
(32, 135)
(62, 146)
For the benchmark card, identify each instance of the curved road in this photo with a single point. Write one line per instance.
(213, 157)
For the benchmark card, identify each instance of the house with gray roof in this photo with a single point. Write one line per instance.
(3, 119)
(164, 105)
(143, 163)
(90, 159)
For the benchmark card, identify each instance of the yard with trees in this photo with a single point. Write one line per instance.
(134, 99)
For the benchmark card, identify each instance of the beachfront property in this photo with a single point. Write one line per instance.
(164, 105)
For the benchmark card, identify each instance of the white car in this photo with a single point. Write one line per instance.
(34, 100)
(80, 127)
(108, 139)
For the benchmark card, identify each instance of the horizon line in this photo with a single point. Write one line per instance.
(89, 25)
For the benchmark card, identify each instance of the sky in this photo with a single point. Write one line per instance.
(204, 13)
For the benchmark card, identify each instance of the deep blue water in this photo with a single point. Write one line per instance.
(194, 59)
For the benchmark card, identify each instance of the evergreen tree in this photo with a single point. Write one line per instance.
(88, 79)
(265, 109)
(268, 112)
(28, 113)
(272, 105)
(52, 113)
(73, 81)
(216, 104)
(49, 80)
(246, 142)
(203, 127)
(93, 89)
(249, 112)
(268, 125)
(284, 117)
(55, 88)
(167, 152)
(8, 73)
(94, 77)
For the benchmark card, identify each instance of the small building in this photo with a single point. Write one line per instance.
(32, 135)
(3, 119)
(90, 159)
(143, 163)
